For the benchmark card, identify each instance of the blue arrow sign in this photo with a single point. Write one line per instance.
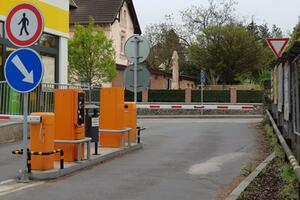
(202, 77)
(23, 70)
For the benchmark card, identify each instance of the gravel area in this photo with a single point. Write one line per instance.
(266, 185)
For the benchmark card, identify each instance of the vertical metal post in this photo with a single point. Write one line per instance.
(129, 138)
(96, 148)
(24, 172)
(139, 135)
(90, 94)
(137, 50)
(202, 87)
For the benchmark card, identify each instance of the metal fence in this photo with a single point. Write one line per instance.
(39, 100)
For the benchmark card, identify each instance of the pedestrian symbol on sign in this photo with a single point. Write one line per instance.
(25, 22)
(24, 25)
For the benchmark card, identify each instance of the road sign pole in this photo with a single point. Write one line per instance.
(24, 171)
(202, 87)
(23, 68)
(137, 50)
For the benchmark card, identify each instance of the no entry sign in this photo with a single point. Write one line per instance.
(24, 25)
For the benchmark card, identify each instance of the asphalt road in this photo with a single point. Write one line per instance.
(183, 159)
(9, 163)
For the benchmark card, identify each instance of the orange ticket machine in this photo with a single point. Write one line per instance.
(111, 116)
(69, 120)
(130, 120)
(42, 140)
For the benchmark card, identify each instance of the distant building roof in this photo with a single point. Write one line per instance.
(103, 11)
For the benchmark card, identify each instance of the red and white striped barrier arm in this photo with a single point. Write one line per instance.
(200, 107)
(20, 118)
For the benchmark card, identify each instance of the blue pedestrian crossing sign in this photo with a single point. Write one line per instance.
(23, 70)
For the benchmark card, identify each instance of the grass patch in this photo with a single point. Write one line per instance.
(248, 169)
(289, 189)
(287, 174)
(273, 140)
(277, 180)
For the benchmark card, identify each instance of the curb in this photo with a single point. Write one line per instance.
(35, 175)
(198, 116)
(244, 184)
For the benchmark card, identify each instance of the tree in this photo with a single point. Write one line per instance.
(295, 35)
(91, 56)
(164, 41)
(218, 13)
(226, 52)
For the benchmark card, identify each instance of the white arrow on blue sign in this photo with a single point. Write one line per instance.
(24, 70)
(202, 77)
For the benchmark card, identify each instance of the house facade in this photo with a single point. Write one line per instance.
(116, 17)
(119, 21)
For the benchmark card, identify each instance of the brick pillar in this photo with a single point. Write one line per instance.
(145, 95)
(188, 95)
(233, 95)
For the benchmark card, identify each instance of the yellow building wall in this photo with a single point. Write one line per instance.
(56, 15)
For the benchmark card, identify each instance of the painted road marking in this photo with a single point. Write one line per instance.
(11, 186)
(214, 164)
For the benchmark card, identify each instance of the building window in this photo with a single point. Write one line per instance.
(1, 29)
(48, 40)
(49, 68)
(122, 44)
(47, 47)
(125, 18)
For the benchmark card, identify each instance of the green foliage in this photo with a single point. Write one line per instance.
(166, 95)
(218, 13)
(164, 42)
(250, 96)
(129, 96)
(273, 140)
(295, 36)
(211, 96)
(248, 169)
(288, 176)
(226, 52)
(91, 56)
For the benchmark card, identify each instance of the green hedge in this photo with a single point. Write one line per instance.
(250, 96)
(129, 96)
(211, 96)
(166, 96)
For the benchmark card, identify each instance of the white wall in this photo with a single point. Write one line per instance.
(63, 60)
(117, 31)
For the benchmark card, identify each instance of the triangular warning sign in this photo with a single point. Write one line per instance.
(277, 45)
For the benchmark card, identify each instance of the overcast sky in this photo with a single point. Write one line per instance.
(283, 13)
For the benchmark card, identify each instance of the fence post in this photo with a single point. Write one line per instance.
(188, 95)
(233, 94)
(145, 95)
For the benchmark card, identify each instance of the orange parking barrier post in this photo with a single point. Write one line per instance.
(111, 116)
(130, 120)
(69, 120)
(42, 140)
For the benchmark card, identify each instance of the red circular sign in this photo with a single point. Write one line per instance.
(24, 25)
